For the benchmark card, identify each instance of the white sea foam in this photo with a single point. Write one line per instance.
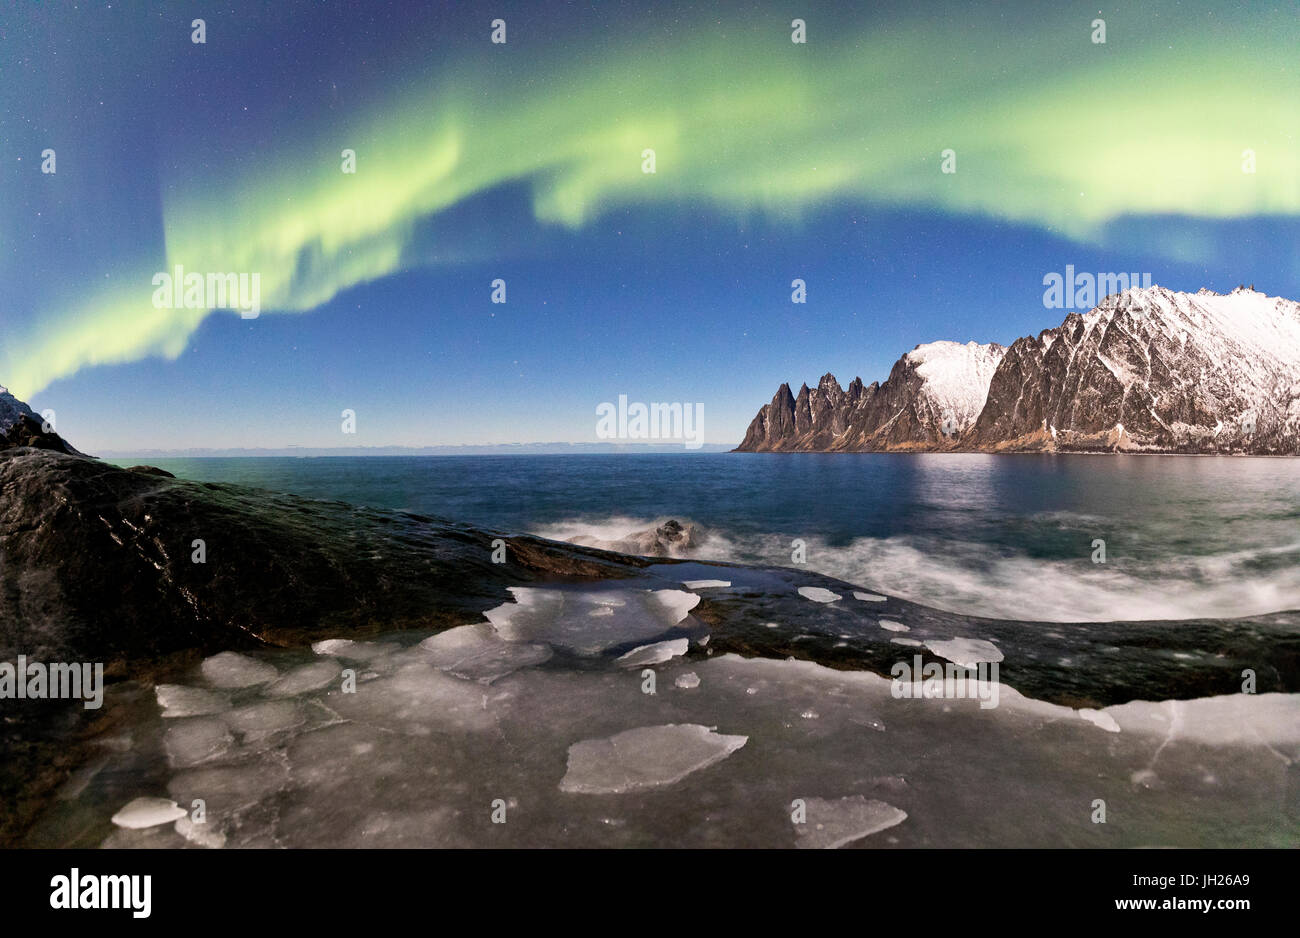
(972, 578)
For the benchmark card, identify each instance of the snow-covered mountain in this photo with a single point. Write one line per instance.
(1149, 370)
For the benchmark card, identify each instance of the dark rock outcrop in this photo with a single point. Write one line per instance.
(99, 563)
(22, 426)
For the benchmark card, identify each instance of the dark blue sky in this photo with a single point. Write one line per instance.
(523, 162)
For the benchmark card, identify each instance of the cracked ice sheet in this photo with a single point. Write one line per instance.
(427, 744)
(418, 699)
(645, 757)
(352, 786)
(589, 622)
(970, 796)
(477, 653)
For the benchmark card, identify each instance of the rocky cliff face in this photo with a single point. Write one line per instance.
(22, 426)
(1148, 370)
(1154, 370)
(932, 396)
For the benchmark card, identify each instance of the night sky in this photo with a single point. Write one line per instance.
(523, 161)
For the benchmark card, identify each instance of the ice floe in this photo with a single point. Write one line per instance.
(351, 650)
(832, 824)
(819, 594)
(265, 718)
(196, 739)
(148, 812)
(178, 701)
(869, 597)
(657, 653)
(419, 699)
(477, 653)
(646, 757)
(563, 618)
(230, 790)
(967, 652)
(231, 670)
(305, 678)
(705, 584)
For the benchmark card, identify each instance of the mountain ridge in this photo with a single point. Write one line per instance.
(1146, 370)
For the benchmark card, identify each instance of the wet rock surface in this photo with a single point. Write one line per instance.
(99, 563)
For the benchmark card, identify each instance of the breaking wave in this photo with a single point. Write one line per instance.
(977, 579)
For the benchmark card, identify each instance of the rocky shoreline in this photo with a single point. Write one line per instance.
(148, 575)
(99, 565)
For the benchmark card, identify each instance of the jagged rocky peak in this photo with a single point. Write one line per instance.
(829, 386)
(933, 394)
(1148, 369)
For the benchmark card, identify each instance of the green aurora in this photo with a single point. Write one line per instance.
(1049, 129)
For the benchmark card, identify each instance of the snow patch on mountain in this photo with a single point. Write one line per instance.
(956, 377)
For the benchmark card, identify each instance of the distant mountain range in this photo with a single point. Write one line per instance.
(1147, 370)
(466, 449)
